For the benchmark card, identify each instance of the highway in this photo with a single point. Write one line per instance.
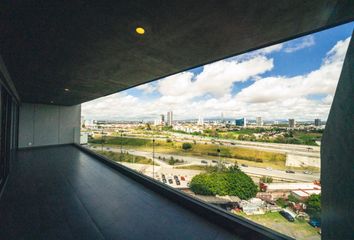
(252, 171)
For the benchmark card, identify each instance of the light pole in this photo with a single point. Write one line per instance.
(102, 140)
(153, 158)
(219, 164)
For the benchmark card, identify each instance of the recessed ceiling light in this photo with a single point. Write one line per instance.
(66, 90)
(51, 101)
(140, 30)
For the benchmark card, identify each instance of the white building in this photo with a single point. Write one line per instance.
(259, 121)
(169, 118)
(200, 120)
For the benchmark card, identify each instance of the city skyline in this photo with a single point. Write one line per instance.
(295, 79)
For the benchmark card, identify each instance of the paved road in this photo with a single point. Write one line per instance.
(280, 174)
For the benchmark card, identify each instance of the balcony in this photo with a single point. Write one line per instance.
(61, 192)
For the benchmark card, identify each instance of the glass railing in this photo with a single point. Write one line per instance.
(253, 180)
(248, 134)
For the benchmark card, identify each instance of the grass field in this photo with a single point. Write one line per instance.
(299, 229)
(229, 154)
(125, 157)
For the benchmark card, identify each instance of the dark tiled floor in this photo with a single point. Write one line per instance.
(63, 193)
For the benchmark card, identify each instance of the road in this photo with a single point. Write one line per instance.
(254, 171)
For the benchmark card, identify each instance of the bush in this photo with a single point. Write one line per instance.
(281, 202)
(231, 182)
(186, 146)
(266, 179)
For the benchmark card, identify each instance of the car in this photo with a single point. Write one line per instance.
(315, 223)
(289, 171)
(307, 172)
(214, 161)
(178, 182)
(182, 178)
(287, 216)
(244, 165)
(163, 175)
(204, 162)
(164, 180)
(170, 181)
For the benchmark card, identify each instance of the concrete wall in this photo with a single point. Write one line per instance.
(41, 125)
(337, 163)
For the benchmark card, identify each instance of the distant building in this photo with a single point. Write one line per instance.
(200, 120)
(169, 118)
(241, 122)
(259, 121)
(162, 119)
(291, 123)
(318, 122)
(273, 191)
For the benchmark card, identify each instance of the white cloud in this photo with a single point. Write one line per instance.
(209, 93)
(216, 78)
(321, 81)
(270, 49)
(305, 42)
(147, 88)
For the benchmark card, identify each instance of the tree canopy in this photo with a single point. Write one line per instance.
(313, 206)
(231, 182)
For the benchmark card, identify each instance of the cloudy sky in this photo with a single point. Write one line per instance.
(295, 79)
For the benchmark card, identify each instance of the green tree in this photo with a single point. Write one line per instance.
(313, 206)
(231, 182)
(186, 146)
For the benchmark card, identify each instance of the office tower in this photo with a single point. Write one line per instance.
(242, 122)
(291, 123)
(200, 120)
(259, 121)
(162, 119)
(317, 122)
(169, 118)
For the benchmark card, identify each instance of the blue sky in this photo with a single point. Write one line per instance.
(294, 79)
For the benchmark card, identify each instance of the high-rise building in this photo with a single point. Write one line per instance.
(291, 123)
(200, 120)
(317, 122)
(242, 122)
(162, 119)
(259, 121)
(169, 118)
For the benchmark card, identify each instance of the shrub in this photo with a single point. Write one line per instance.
(186, 146)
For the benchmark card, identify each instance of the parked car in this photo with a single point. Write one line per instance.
(170, 181)
(289, 171)
(315, 223)
(244, 165)
(214, 161)
(287, 216)
(164, 180)
(178, 182)
(307, 172)
(204, 162)
(182, 178)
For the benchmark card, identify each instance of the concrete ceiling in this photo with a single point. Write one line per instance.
(91, 47)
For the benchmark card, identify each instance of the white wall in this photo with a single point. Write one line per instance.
(41, 125)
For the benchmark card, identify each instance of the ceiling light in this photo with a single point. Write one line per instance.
(51, 101)
(140, 30)
(66, 90)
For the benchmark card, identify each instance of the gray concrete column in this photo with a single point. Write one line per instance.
(337, 158)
